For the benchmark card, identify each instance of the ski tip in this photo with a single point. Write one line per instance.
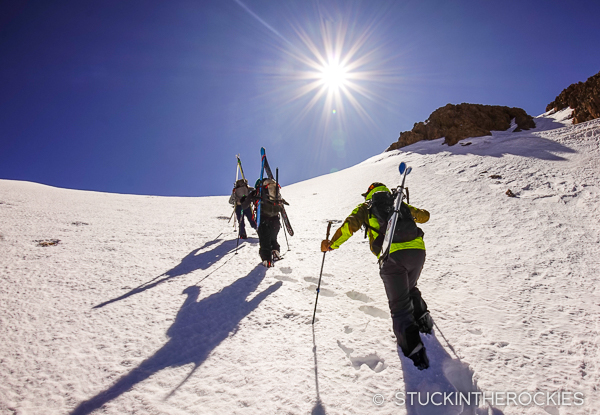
(262, 151)
(402, 167)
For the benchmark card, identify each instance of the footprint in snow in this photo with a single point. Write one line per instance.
(284, 278)
(359, 296)
(322, 291)
(372, 360)
(286, 270)
(374, 311)
(475, 331)
(314, 280)
(291, 315)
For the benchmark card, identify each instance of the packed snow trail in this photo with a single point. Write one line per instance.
(140, 308)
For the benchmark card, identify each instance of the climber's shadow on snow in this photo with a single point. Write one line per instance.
(199, 258)
(450, 377)
(199, 327)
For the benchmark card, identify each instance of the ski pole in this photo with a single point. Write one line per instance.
(321, 274)
(285, 233)
(233, 213)
(237, 175)
(447, 342)
(237, 241)
(239, 230)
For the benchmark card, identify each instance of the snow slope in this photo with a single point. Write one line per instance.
(144, 305)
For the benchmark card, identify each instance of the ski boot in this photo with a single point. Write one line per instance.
(419, 357)
(425, 323)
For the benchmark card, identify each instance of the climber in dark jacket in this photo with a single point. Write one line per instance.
(268, 196)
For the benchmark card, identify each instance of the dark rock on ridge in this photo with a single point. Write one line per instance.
(456, 122)
(582, 97)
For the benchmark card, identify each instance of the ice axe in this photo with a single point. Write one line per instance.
(321, 274)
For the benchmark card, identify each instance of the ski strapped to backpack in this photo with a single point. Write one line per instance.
(262, 169)
(266, 168)
(239, 165)
(400, 209)
(238, 182)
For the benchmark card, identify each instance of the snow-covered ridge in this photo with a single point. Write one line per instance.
(144, 306)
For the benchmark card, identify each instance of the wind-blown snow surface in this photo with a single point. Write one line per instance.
(144, 306)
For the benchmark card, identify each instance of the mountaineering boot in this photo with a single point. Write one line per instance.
(276, 255)
(419, 357)
(425, 323)
(267, 263)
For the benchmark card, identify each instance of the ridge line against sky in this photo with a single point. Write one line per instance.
(157, 98)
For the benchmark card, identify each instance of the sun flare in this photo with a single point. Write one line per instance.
(335, 71)
(333, 75)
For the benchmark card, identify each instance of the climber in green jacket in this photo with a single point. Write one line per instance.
(402, 268)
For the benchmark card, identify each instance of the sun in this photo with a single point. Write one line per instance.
(334, 75)
(333, 70)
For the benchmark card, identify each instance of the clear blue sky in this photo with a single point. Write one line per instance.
(154, 97)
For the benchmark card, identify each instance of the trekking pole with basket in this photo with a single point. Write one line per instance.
(321, 274)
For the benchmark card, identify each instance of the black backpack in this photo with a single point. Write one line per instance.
(270, 199)
(381, 206)
(406, 228)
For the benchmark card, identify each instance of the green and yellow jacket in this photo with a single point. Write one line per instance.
(360, 216)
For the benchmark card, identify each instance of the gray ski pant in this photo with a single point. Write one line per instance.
(400, 274)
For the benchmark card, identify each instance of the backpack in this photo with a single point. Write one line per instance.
(406, 228)
(240, 190)
(381, 206)
(270, 199)
(270, 189)
(241, 183)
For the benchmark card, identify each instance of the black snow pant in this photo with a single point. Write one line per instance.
(267, 236)
(400, 274)
(248, 214)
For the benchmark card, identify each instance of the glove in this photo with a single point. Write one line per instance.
(242, 199)
(325, 245)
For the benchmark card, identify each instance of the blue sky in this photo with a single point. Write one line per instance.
(158, 97)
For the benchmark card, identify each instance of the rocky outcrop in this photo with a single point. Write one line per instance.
(582, 97)
(456, 122)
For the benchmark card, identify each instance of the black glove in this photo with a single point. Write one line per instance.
(243, 199)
